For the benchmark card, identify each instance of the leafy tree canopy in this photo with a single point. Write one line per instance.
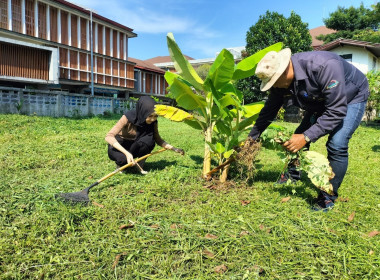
(354, 18)
(354, 23)
(270, 29)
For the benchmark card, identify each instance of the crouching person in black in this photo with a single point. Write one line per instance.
(135, 135)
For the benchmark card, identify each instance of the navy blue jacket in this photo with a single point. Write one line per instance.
(324, 83)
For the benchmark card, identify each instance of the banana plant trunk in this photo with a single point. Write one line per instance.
(223, 176)
(207, 157)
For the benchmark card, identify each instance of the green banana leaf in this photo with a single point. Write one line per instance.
(251, 113)
(318, 170)
(222, 69)
(196, 124)
(229, 153)
(181, 64)
(170, 76)
(230, 88)
(186, 98)
(247, 66)
(222, 128)
(253, 108)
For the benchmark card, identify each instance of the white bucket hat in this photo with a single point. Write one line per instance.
(271, 67)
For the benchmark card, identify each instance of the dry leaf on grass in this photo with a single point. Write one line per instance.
(371, 252)
(220, 269)
(154, 226)
(373, 233)
(126, 226)
(351, 217)
(208, 254)
(244, 233)
(263, 228)
(245, 202)
(117, 258)
(97, 204)
(343, 199)
(211, 236)
(285, 199)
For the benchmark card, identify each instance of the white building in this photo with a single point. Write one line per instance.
(363, 55)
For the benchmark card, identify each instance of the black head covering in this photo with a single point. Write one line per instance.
(144, 108)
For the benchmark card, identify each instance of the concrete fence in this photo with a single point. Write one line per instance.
(58, 104)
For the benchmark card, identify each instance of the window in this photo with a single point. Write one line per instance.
(347, 57)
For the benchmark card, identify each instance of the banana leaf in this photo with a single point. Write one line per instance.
(182, 65)
(222, 69)
(318, 170)
(247, 66)
(186, 98)
(172, 113)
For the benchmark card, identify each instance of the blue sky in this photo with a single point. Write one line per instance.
(203, 27)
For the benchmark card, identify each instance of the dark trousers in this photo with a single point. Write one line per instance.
(136, 148)
(337, 144)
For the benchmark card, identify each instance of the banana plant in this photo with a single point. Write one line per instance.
(213, 105)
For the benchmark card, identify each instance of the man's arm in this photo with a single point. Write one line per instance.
(268, 113)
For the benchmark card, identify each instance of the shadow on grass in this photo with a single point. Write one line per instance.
(159, 164)
(304, 189)
(376, 148)
(372, 124)
(267, 176)
(197, 159)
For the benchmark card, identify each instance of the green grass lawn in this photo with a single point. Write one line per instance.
(167, 224)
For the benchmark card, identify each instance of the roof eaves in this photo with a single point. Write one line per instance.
(95, 15)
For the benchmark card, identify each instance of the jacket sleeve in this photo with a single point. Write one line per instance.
(331, 80)
(268, 113)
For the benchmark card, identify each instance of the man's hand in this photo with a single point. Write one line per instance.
(295, 143)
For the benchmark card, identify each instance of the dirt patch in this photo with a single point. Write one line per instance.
(242, 169)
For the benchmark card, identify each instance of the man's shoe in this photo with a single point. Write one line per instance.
(323, 205)
(285, 177)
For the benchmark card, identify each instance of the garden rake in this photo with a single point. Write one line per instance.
(82, 196)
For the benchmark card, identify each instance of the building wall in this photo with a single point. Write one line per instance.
(361, 58)
(69, 30)
(150, 83)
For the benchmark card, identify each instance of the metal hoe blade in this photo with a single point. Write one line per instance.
(75, 197)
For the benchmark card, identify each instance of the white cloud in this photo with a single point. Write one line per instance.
(151, 19)
(158, 17)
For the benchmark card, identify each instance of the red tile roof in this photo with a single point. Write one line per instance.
(144, 65)
(321, 30)
(164, 59)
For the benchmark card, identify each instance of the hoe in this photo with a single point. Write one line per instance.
(82, 196)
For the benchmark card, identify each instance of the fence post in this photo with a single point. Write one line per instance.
(112, 105)
(59, 108)
(20, 105)
(89, 99)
